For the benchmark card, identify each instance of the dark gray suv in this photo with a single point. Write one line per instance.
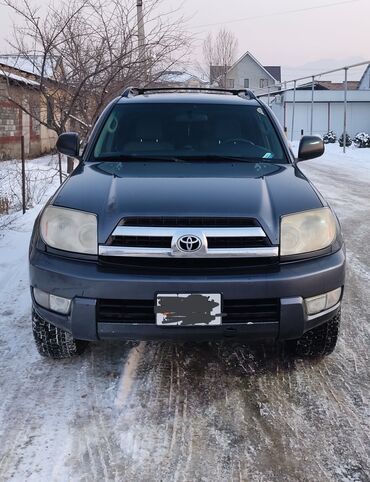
(187, 218)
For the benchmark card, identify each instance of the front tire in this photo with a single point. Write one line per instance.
(52, 342)
(319, 341)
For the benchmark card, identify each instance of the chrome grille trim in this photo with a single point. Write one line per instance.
(170, 232)
(174, 234)
(169, 253)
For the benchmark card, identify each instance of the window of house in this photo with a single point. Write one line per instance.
(263, 83)
(230, 83)
(246, 83)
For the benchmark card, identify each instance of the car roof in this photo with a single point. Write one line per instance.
(184, 98)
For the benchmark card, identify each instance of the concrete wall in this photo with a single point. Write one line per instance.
(248, 69)
(328, 112)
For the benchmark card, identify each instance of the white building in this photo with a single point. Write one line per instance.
(179, 78)
(328, 110)
(246, 72)
(365, 80)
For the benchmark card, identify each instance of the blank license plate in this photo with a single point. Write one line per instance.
(184, 309)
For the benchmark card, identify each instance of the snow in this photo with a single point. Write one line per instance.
(29, 63)
(18, 78)
(180, 77)
(181, 412)
(42, 177)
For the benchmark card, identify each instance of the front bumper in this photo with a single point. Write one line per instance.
(85, 283)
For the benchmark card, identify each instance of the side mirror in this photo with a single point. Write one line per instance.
(69, 144)
(310, 147)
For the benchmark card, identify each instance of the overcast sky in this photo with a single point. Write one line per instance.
(307, 41)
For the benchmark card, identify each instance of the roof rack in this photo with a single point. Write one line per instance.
(134, 91)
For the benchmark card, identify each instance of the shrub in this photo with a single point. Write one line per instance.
(362, 140)
(330, 138)
(4, 205)
(348, 140)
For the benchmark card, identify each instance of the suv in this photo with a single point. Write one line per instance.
(187, 218)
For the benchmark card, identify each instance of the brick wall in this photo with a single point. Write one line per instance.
(10, 130)
(14, 123)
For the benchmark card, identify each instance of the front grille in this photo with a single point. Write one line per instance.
(244, 311)
(161, 237)
(188, 266)
(195, 222)
(125, 311)
(165, 242)
(237, 242)
(142, 311)
(141, 241)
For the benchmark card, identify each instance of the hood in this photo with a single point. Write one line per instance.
(114, 190)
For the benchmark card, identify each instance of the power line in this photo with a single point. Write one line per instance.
(318, 7)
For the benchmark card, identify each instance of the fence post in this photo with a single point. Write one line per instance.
(60, 167)
(293, 113)
(345, 109)
(312, 102)
(69, 164)
(23, 176)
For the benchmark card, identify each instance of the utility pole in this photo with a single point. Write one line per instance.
(140, 28)
(141, 43)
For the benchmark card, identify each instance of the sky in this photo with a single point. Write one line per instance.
(303, 36)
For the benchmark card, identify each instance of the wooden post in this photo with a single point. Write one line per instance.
(23, 176)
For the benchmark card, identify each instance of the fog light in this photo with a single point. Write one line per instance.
(323, 302)
(316, 304)
(59, 304)
(52, 302)
(41, 298)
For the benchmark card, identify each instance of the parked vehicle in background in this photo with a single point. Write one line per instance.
(187, 218)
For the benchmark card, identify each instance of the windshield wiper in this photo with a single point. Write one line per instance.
(206, 158)
(219, 158)
(137, 158)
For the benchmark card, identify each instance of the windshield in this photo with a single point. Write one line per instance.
(188, 131)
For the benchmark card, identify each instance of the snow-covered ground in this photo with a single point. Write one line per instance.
(41, 179)
(211, 412)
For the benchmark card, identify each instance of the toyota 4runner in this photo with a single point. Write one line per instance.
(187, 218)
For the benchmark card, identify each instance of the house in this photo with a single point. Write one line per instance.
(20, 85)
(178, 78)
(364, 83)
(247, 72)
(30, 65)
(15, 123)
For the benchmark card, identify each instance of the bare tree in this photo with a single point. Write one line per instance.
(219, 54)
(84, 52)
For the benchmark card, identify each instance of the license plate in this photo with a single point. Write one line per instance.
(184, 309)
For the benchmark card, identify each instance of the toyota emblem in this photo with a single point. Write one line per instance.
(189, 243)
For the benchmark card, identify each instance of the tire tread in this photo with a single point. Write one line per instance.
(52, 342)
(319, 341)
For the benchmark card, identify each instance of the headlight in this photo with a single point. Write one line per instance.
(69, 230)
(307, 231)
